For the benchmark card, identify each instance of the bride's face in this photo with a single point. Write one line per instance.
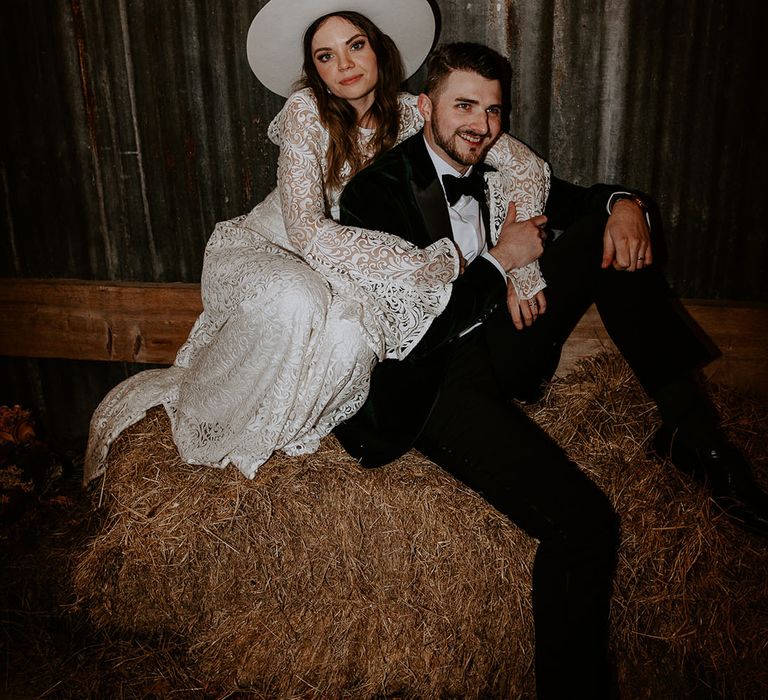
(346, 62)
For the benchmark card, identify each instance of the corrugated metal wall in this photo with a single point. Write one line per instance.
(131, 126)
(136, 126)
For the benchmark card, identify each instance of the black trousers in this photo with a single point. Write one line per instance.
(479, 435)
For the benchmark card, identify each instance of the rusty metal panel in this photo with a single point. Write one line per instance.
(661, 95)
(135, 125)
(131, 126)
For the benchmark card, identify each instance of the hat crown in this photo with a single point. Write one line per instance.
(274, 42)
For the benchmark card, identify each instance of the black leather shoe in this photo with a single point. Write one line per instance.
(725, 471)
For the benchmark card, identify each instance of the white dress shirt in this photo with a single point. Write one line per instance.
(466, 221)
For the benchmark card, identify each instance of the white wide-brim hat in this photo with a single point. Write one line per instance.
(275, 37)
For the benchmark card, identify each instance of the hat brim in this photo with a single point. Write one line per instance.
(275, 35)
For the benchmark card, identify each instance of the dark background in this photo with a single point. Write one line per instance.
(129, 127)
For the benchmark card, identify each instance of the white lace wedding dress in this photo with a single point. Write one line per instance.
(297, 308)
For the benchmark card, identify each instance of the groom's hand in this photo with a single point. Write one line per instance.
(627, 238)
(520, 242)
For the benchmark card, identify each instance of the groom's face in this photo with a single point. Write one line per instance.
(463, 119)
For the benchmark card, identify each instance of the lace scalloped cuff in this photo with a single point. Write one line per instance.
(444, 254)
(527, 280)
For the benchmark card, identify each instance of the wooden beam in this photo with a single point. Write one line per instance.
(82, 320)
(147, 322)
(740, 331)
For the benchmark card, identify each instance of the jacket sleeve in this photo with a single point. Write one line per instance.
(567, 202)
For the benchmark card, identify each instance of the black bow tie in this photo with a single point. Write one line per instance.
(472, 185)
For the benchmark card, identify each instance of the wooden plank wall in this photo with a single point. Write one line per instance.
(739, 331)
(146, 323)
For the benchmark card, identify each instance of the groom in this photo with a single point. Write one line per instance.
(451, 396)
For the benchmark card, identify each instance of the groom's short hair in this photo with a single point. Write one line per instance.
(466, 56)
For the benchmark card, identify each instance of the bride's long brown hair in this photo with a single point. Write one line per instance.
(339, 117)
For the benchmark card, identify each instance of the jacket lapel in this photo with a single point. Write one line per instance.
(427, 191)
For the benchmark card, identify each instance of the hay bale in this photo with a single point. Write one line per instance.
(321, 579)
(316, 574)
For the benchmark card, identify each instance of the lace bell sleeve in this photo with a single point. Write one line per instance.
(408, 285)
(323, 242)
(524, 178)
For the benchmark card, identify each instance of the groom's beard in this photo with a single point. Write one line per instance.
(456, 147)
